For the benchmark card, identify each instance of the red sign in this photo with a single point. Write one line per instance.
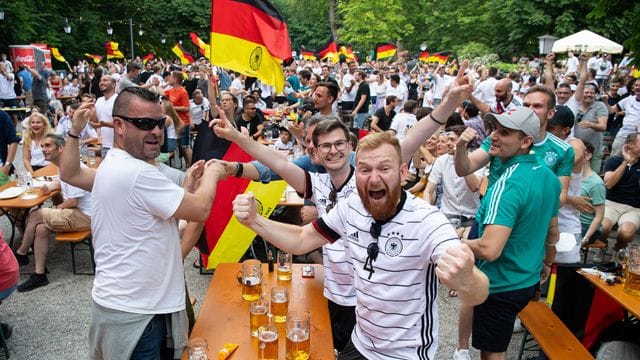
(28, 55)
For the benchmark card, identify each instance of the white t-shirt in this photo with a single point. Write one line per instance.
(486, 90)
(572, 65)
(401, 124)
(338, 272)
(631, 121)
(345, 84)
(197, 110)
(396, 310)
(37, 156)
(104, 112)
(137, 246)
(237, 85)
(83, 197)
(457, 198)
(401, 93)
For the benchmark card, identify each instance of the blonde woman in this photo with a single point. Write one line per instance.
(32, 155)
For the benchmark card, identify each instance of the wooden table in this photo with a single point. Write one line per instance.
(20, 112)
(224, 316)
(631, 303)
(23, 205)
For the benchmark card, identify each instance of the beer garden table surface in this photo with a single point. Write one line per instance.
(224, 316)
(20, 111)
(631, 303)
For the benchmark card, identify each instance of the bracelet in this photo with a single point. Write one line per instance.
(239, 170)
(73, 136)
(436, 121)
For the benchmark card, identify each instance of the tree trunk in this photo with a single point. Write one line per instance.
(332, 19)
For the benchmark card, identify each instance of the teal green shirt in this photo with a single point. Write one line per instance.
(524, 198)
(553, 152)
(592, 187)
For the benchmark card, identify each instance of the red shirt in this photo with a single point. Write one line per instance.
(9, 270)
(178, 97)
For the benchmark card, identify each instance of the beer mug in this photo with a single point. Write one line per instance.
(258, 315)
(298, 330)
(92, 158)
(268, 337)
(284, 266)
(251, 280)
(197, 349)
(279, 303)
(632, 276)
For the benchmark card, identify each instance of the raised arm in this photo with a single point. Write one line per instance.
(456, 270)
(467, 163)
(582, 69)
(290, 238)
(70, 170)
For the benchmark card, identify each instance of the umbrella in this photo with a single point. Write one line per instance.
(586, 41)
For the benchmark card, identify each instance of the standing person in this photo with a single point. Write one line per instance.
(73, 214)
(504, 99)
(7, 91)
(39, 87)
(199, 110)
(8, 147)
(348, 88)
(382, 118)
(104, 112)
(518, 231)
(629, 107)
(404, 121)
(136, 307)
(27, 83)
(179, 98)
(591, 122)
(388, 268)
(361, 101)
(131, 78)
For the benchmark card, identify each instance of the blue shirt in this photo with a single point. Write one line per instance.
(7, 135)
(27, 79)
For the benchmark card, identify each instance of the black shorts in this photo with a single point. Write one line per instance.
(493, 320)
(343, 320)
(350, 353)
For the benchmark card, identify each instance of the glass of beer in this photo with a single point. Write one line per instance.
(268, 337)
(284, 266)
(251, 280)
(298, 330)
(279, 303)
(632, 276)
(258, 311)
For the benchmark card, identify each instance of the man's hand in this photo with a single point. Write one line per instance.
(81, 117)
(468, 135)
(6, 169)
(545, 273)
(582, 204)
(463, 85)
(455, 267)
(192, 176)
(229, 167)
(308, 213)
(627, 156)
(550, 58)
(244, 208)
(222, 127)
(214, 169)
(585, 124)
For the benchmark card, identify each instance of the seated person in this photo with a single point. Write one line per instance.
(73, 214)
(88, 134)
(285, 141)
(593, 188)
(32, 156)
(250, 118)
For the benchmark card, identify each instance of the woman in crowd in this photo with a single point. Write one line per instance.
(32, 155)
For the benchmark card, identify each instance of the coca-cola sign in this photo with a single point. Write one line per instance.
(22, 55)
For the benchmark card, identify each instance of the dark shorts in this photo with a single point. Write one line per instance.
(8, 103)
(343, 319)
(185, 136)
(493, 320)
(350, 353)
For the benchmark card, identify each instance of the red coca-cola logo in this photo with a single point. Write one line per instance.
(22, 55)
(24, 59)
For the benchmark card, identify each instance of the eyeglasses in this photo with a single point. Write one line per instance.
(340, 145)
(372, 249)
(332, 197)
(145, 123)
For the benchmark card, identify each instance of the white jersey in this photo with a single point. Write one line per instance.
(396, 310)
(104, 112)
(401, 124)
(631, 122)
(338, 275)
(457, 198)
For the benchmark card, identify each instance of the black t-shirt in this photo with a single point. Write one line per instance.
(363, 89)
(627, 189)
(252, 125)
(384, 120)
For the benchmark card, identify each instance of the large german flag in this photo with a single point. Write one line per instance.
(112, 50)
(185, 57)
(385, 50)
(225, 239)
(250, 37)
(329, 51)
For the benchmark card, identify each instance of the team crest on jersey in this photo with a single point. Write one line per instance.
(550, 158)
(393, 247)
(353, 237)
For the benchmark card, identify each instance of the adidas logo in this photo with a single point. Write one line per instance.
(353, 237)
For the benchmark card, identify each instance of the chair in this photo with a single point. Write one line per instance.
(74, 238)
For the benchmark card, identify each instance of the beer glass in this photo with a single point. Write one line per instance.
(251, 280)
(298, 330)
(258, 311)
(268, 337)
(632, 276)
(279, 303)
(284, 266)
(197, 349)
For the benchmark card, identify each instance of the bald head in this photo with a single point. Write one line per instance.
(503, 90)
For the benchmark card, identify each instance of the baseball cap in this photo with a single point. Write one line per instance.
(519, 118)
(564, 117)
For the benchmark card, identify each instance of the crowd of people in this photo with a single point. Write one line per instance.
(412, 174)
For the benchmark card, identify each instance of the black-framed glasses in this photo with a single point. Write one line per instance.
(333, 195)
(373, 249)
(340, 145)
(145, 123)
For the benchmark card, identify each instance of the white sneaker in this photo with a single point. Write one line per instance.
(517, 326)
(461, 354)
(598, 256)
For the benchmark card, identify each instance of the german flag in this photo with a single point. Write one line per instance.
(185, 57)
(347, 51)
(56, 54)
(440, 57)
(96, 58)
(146, 58)
(225, 239)
(307, 54)
(112, 50)
(385, 50)
(329, 51)
(203, 47)
(250, 37)
(424, 55)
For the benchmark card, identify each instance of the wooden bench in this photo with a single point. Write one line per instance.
(74, 238)
(596, 245)
(552, 336)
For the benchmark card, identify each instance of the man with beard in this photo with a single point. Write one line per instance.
(591, 122)
(137, 308)
(394, 242)
(332, 149)
(504, 101)
(103, 112)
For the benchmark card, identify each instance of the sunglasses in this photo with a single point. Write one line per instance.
(332, 197)
(145, 123)
(372, 249)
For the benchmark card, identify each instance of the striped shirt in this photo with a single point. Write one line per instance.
(338, 275)
(396, 310)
